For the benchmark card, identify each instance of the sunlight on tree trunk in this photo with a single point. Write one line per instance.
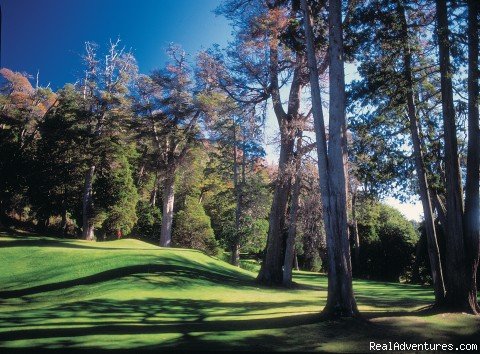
(429, 221)
(457, 296)
(87, 225)
(472, 197)
(167, 216)
(331, 164)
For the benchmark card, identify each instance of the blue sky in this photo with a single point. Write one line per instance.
(49, 35)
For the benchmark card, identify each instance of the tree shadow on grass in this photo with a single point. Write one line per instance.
(208, 325)
(152, 316)
(173, 271)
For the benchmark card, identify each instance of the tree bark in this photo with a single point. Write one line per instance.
(235, 252)
(153, 193)
(472, 197)
(295, 261)
(331, 164)
(168, 202)
(457, 296)
(441, 212)
(429, 221)
(87, 209)
(355, 235)
(292, 229)
(271, 270)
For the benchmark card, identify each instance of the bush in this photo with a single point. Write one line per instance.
(116, 198)
(387, 242)
(149, 224)
(254, 238)
(192, 228)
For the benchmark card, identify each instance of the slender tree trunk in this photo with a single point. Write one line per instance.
(295, 261)
(154, 192)
(235, 252)
(429, 221)
(355, 235)
(441, 212)
(168, 201)
(457, 296)
(292, 229)
(141, 172)
(331, 165)
(271, 270)
(472, 197)
(2, 213)
(87, 210)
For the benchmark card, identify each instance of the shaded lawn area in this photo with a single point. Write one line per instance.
(63, 294)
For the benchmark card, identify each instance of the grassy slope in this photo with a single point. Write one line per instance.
(128, 294)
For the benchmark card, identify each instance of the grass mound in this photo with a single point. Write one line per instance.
(126, 294)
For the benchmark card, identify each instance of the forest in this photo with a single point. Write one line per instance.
(144, 207)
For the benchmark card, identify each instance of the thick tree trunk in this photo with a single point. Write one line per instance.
(271, 270)
(292, 229)
(457, 296)
(331, 165)
(429, 221)
(87, 209)
(472, 197)
(168, 201)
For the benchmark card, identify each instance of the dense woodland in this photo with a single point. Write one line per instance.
(176, 157)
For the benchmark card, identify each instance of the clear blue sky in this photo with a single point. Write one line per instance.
(49, 35)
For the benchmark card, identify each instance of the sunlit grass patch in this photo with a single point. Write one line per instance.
(129, 294)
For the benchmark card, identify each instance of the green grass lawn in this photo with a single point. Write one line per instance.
(131, 295)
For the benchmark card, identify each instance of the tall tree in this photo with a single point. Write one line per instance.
(171, 118)
(23, 109)
(425, 193)
(60, 158)
(264, 58)
(392, 79)
(293, 219)
(332, 162)
(105, 88)
(472, 197)
(459, 296)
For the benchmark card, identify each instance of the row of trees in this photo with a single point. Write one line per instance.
(122, 140)
(404, 51)
(406, 91)
(102, 154)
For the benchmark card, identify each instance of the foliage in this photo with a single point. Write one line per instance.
(310, 242)
(60, 157)
(148, 225)
(116, 197)
(387, 242)
(192, 228)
